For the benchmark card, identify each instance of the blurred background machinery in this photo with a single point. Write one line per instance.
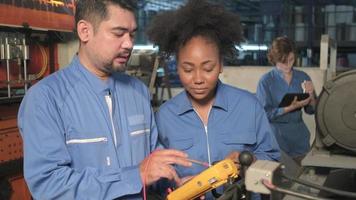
(12, 184)
(28, 53)
(14, 54)
(335, 117)
(332, 159)
(263, 20)
(26, 56)
(154, 71)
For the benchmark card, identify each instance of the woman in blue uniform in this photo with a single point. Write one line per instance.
(209, 120)
(287, 123)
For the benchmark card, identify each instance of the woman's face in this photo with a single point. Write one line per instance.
(286, 66)
(199, 67)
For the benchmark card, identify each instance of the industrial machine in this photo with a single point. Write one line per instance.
(329, 169)
(14, 56)
(28, 53)
(14, 52)
(23, 61)
(335, 144)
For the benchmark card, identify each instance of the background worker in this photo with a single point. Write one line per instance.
(287, 123)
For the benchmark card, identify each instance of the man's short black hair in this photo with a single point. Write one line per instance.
(95, 11)
(172, 29)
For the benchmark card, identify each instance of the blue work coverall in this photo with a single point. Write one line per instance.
(73, 147)
(290, 130)
(236, 122)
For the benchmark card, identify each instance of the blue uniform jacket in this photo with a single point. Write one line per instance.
(236, 122)
(289, 129)
(69, 148)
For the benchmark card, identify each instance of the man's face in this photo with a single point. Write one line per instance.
(199, 67)
(110, 46)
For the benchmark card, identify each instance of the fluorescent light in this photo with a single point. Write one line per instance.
(244, 47)
(145, 47)
(252, 47)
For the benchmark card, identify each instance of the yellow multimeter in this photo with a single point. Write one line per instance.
(207, 180)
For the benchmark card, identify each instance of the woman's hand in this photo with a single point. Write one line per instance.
(297, 104)
(308, 87)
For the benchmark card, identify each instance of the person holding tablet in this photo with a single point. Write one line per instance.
(286, 120)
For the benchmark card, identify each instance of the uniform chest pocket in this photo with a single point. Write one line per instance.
(186, 145)
(139, 130)
(182, 144)
(239, 141)
(140, 141)
(138, 126)
(88, 151)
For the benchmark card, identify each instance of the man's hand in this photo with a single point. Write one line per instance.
(159, 165)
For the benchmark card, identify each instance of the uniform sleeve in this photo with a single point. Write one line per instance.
(47, 162)
(154, 133)
(154, 130)
(264, 95)
(267, 147)
(161, 141)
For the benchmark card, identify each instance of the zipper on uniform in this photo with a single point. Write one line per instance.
(110, 106)
(207, 143)
(206, 133)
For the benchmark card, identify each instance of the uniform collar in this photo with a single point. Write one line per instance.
(99, 86)
(220, 100)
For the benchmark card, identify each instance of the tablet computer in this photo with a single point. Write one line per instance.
(289, 97)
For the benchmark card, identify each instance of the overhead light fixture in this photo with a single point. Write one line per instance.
(244, 47)
(145, 47)
(252, 47)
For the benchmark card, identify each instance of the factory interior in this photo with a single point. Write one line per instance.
(38, 38)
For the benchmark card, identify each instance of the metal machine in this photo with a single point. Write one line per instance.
(24, 60)
(14, 55)
(335, 144)
(28, 52)
(14, 52)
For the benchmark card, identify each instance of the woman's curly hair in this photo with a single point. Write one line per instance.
(170, 30)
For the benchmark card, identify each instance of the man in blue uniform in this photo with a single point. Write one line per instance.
(88, 130)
